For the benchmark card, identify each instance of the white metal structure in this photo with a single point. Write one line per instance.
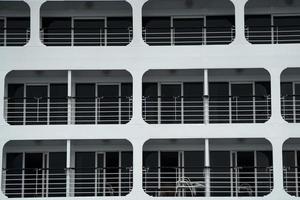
(116, 116)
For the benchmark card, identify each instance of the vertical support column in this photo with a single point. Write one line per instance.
(207, 168)
(68, 169)
(137, 169)
(275, 95)
(206, 97)
(137, 96)
(277, 167)
(3, 106)
(69, 97)
(206, 121)
(240, 21)
(35, 22)
(137, 16)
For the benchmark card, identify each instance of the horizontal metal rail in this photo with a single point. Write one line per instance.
(86, 37)
(290, 108)
(14, 36)
(189, 35)
(227, 109)
(192, 181)
(272, 34)
(47, 111)
(19, 183)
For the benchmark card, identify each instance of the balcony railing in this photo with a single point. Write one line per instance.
(14, 36)
(55, 111)
(86, 37)
(273, 34)
(290, 108)
(214, 181)
(189, 36)
(191, 110)
(37, 182)
(291, 180)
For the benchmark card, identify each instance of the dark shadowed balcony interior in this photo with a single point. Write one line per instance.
(290, 95)
(188, 22)
(179, 168)
(272, 21)
(41, 97)
(86, 23)
(291, 164)
(37, 169)
(234, 96)
(14, 23)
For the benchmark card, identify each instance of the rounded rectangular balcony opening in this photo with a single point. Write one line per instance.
(99, 97)
(86, 23)
(291, 163)
(14, 23)
(40, 168)
(232, 96)
(207, 167)
(188, 22)
(290, 95)
(272, 21)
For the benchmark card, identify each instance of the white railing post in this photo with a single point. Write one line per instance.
(206, 96)
(69, 97)
(68, 166)
(207, 168)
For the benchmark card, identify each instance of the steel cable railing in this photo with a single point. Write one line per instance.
(37, 182)
(227, 109)
(272, 34)
(188, 36)
(73, 110)
(86, 36)
(14, 36)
